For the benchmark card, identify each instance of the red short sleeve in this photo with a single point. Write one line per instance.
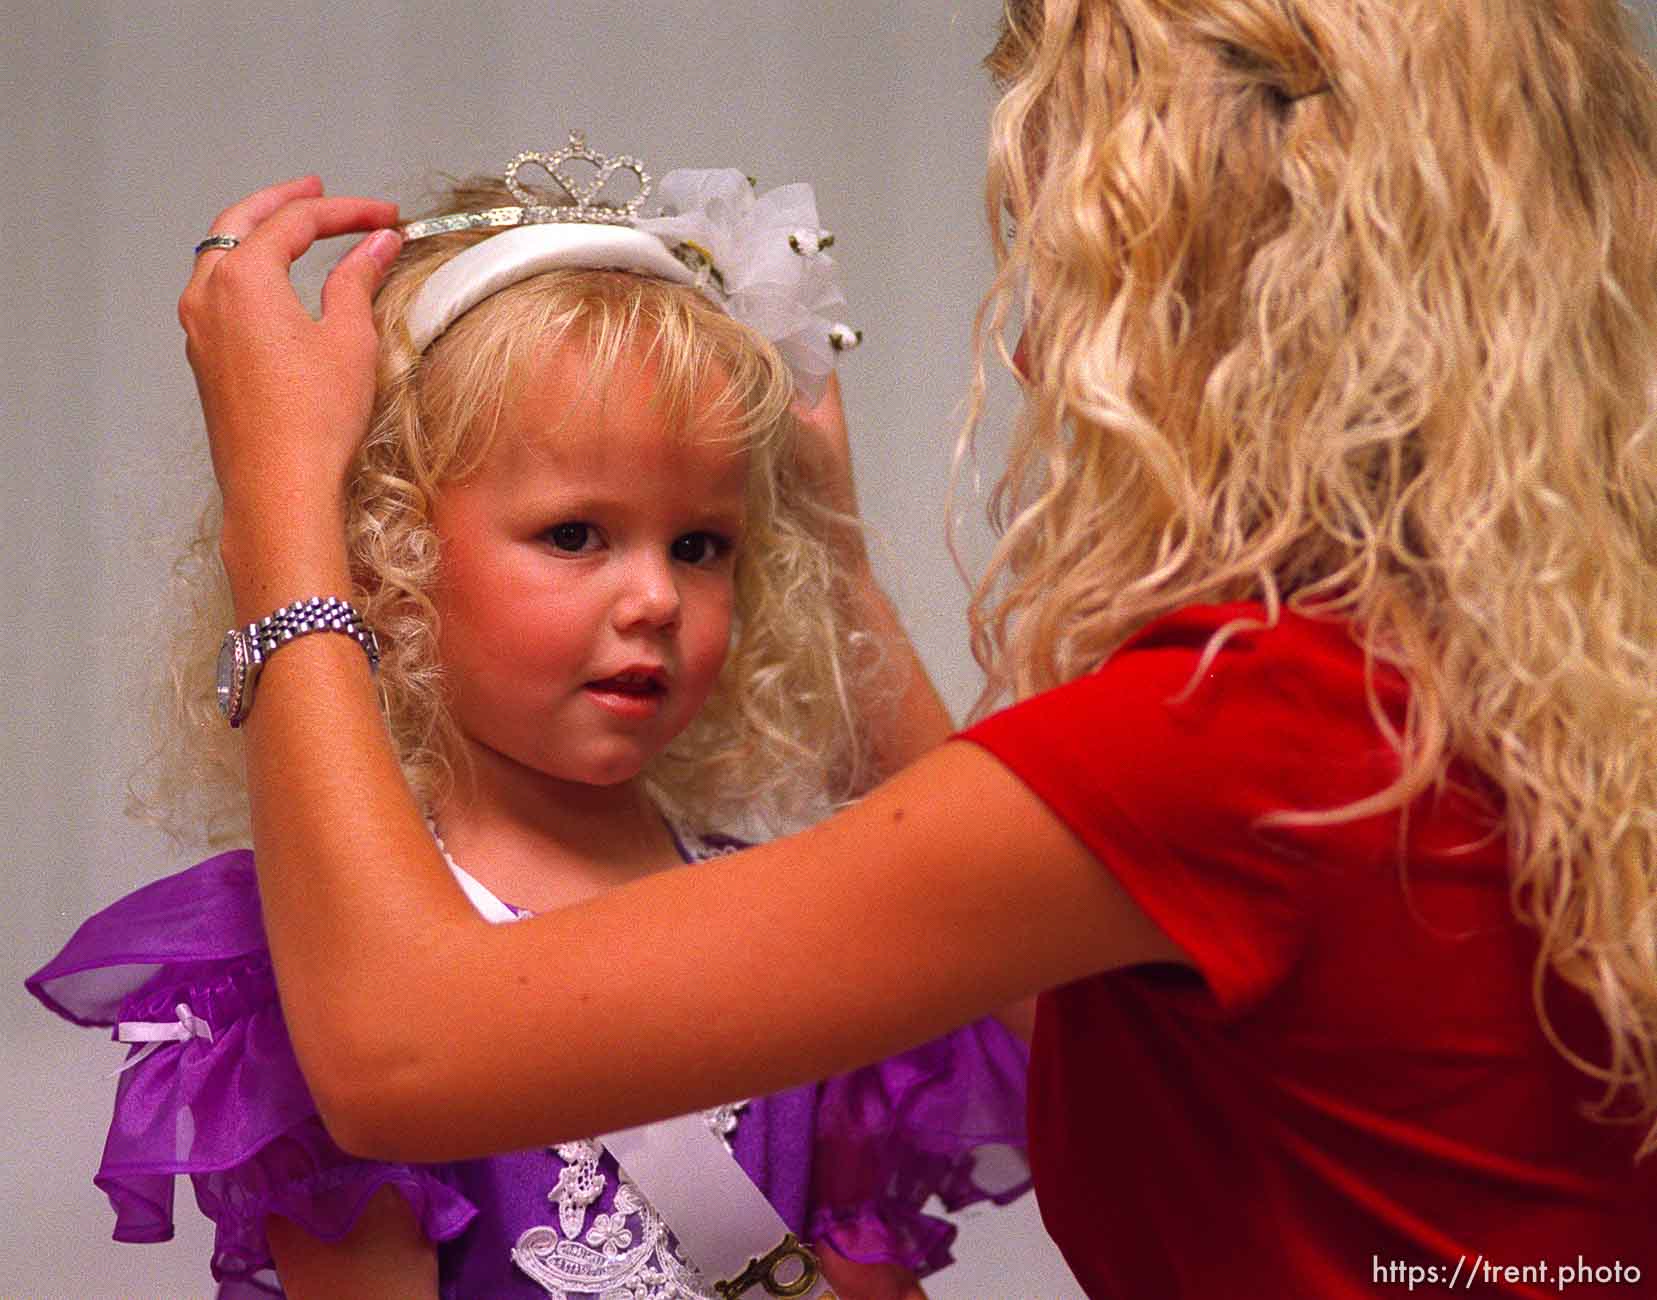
(1166, 779)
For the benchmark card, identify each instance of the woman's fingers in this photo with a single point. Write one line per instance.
(824, 425)
(279, 223)
(348, 292)
(241, 218)
(294, 226)
(256, 279)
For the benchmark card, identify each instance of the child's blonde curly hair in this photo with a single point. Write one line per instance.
(777, 737)
(1351, 306)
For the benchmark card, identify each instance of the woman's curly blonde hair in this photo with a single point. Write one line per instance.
(1351, 306)
(778, 736)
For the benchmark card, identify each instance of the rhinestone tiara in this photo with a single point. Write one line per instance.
(583, 205)
(760, 257)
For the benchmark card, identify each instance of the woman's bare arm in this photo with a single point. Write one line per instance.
(904, 713)
(428, 1034)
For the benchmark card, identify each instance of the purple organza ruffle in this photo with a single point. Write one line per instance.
(946, 1118)
(852, 1161)
(233, 1113)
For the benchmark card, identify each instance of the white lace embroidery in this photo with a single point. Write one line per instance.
(626, 1254)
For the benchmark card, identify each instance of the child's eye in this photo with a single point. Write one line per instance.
(572, 537)
(700, 548)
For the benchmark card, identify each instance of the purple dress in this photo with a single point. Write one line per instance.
(849, 1161)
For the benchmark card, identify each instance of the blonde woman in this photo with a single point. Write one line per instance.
(1326, 605)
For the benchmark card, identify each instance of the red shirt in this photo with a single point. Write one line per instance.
(1352, 1091)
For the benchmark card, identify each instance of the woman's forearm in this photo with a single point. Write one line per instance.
(348, 872)
(427, 1034)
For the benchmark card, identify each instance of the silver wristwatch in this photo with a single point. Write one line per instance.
(245, 649)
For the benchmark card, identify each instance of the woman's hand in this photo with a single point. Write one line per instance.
(286, 397)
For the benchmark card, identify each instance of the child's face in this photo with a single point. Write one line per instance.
(587, 577)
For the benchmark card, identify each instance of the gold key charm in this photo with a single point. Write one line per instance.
(762, 1272)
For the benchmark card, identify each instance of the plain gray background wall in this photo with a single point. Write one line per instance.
(128, 126)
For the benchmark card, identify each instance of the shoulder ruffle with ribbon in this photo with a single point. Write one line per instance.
(181, 964)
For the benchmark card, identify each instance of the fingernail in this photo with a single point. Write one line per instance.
(382, 245)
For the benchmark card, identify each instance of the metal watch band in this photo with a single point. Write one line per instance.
(317, 614)
(245, 649)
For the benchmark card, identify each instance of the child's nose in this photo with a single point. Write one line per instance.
(649, 595)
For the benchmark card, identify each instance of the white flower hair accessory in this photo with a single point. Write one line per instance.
(760, 257)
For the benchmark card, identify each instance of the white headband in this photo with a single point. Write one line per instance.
(759, 257)
(513, 255)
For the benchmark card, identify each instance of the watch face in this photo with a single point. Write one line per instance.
(231, 670)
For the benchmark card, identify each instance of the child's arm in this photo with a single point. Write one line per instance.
(904, 729)
(383, 1257)
(854, 1281)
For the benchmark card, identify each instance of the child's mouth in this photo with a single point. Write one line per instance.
(640, 685)
(633, 695)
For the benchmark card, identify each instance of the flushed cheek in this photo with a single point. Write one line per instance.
(532, 645)
(704, 644)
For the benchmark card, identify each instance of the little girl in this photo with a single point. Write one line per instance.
(587, 534)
